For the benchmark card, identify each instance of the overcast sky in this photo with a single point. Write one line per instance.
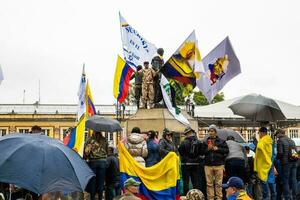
(50, 40)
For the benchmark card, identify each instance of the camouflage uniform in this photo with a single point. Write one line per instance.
(147, 87)
(157, 63)
(96, 152)
(138, 87)
(96, 149)
(195, 194)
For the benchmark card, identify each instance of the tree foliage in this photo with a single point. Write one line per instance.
(200, 99)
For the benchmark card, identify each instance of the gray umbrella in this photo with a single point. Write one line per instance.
(258, 108)
(41, 164)
(98, 123)
(224, 133)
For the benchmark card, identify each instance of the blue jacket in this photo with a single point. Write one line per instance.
(153, 153)
(271, 176)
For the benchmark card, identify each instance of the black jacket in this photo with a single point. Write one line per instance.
(284, 146)
(216, 157)
(283, 150)
(165, 147)
(112, 171)
(185, 151)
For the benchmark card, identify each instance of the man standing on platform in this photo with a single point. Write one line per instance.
(147, 86)
(157, 63)
(138, 79)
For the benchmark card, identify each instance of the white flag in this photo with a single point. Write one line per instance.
(1, 75)
(81, 96)
(166, 92)
(136, 49)
(221, 65)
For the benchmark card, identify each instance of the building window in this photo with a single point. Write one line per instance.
(110, 137)
(23, 130)
(294, 133)
(64, 132)
(3, 132)
(46, 132)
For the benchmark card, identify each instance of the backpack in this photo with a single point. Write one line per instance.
(292, 154)
(194, 148)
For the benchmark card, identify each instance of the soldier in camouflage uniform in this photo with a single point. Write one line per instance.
(157, 63)
(95, 151)
(138, 79)
(147, 86)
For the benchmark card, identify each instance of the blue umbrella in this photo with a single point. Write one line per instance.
(41, 164)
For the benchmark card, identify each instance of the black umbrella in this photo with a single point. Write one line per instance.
(257, 108)
(41, 164)
(98, 123)
(224, 133)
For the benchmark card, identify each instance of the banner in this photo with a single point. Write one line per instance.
(136, 48)
(166, 92)
(160, 181)
(220, 66)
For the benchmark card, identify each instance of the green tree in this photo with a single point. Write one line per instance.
(179, 99)
(200, 99)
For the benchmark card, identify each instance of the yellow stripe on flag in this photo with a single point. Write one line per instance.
(159, 177)
(80, 135)
(118, 73)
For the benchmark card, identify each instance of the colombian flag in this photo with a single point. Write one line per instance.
(160, 181)
(121, 81)
(76, 138)
(90, 108)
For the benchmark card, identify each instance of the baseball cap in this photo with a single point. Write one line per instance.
(234, 181)
(187, 129)
(130, 182)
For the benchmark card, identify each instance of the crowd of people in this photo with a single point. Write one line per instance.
(210, 169)
(267, 172)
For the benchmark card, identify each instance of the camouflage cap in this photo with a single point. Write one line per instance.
(194, 194)
(130, 182)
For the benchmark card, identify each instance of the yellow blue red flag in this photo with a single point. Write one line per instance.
(121, 81)
(77, 135)
(160, 181)
(185, 65)
(90, 107)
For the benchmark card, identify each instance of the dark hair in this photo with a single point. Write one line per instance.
(263, 130)
(36, 129)
(152, 134)
(230, 137)
(110, 150)
(139, 67)
(136, 130)
(279, 132)
(247, 148)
